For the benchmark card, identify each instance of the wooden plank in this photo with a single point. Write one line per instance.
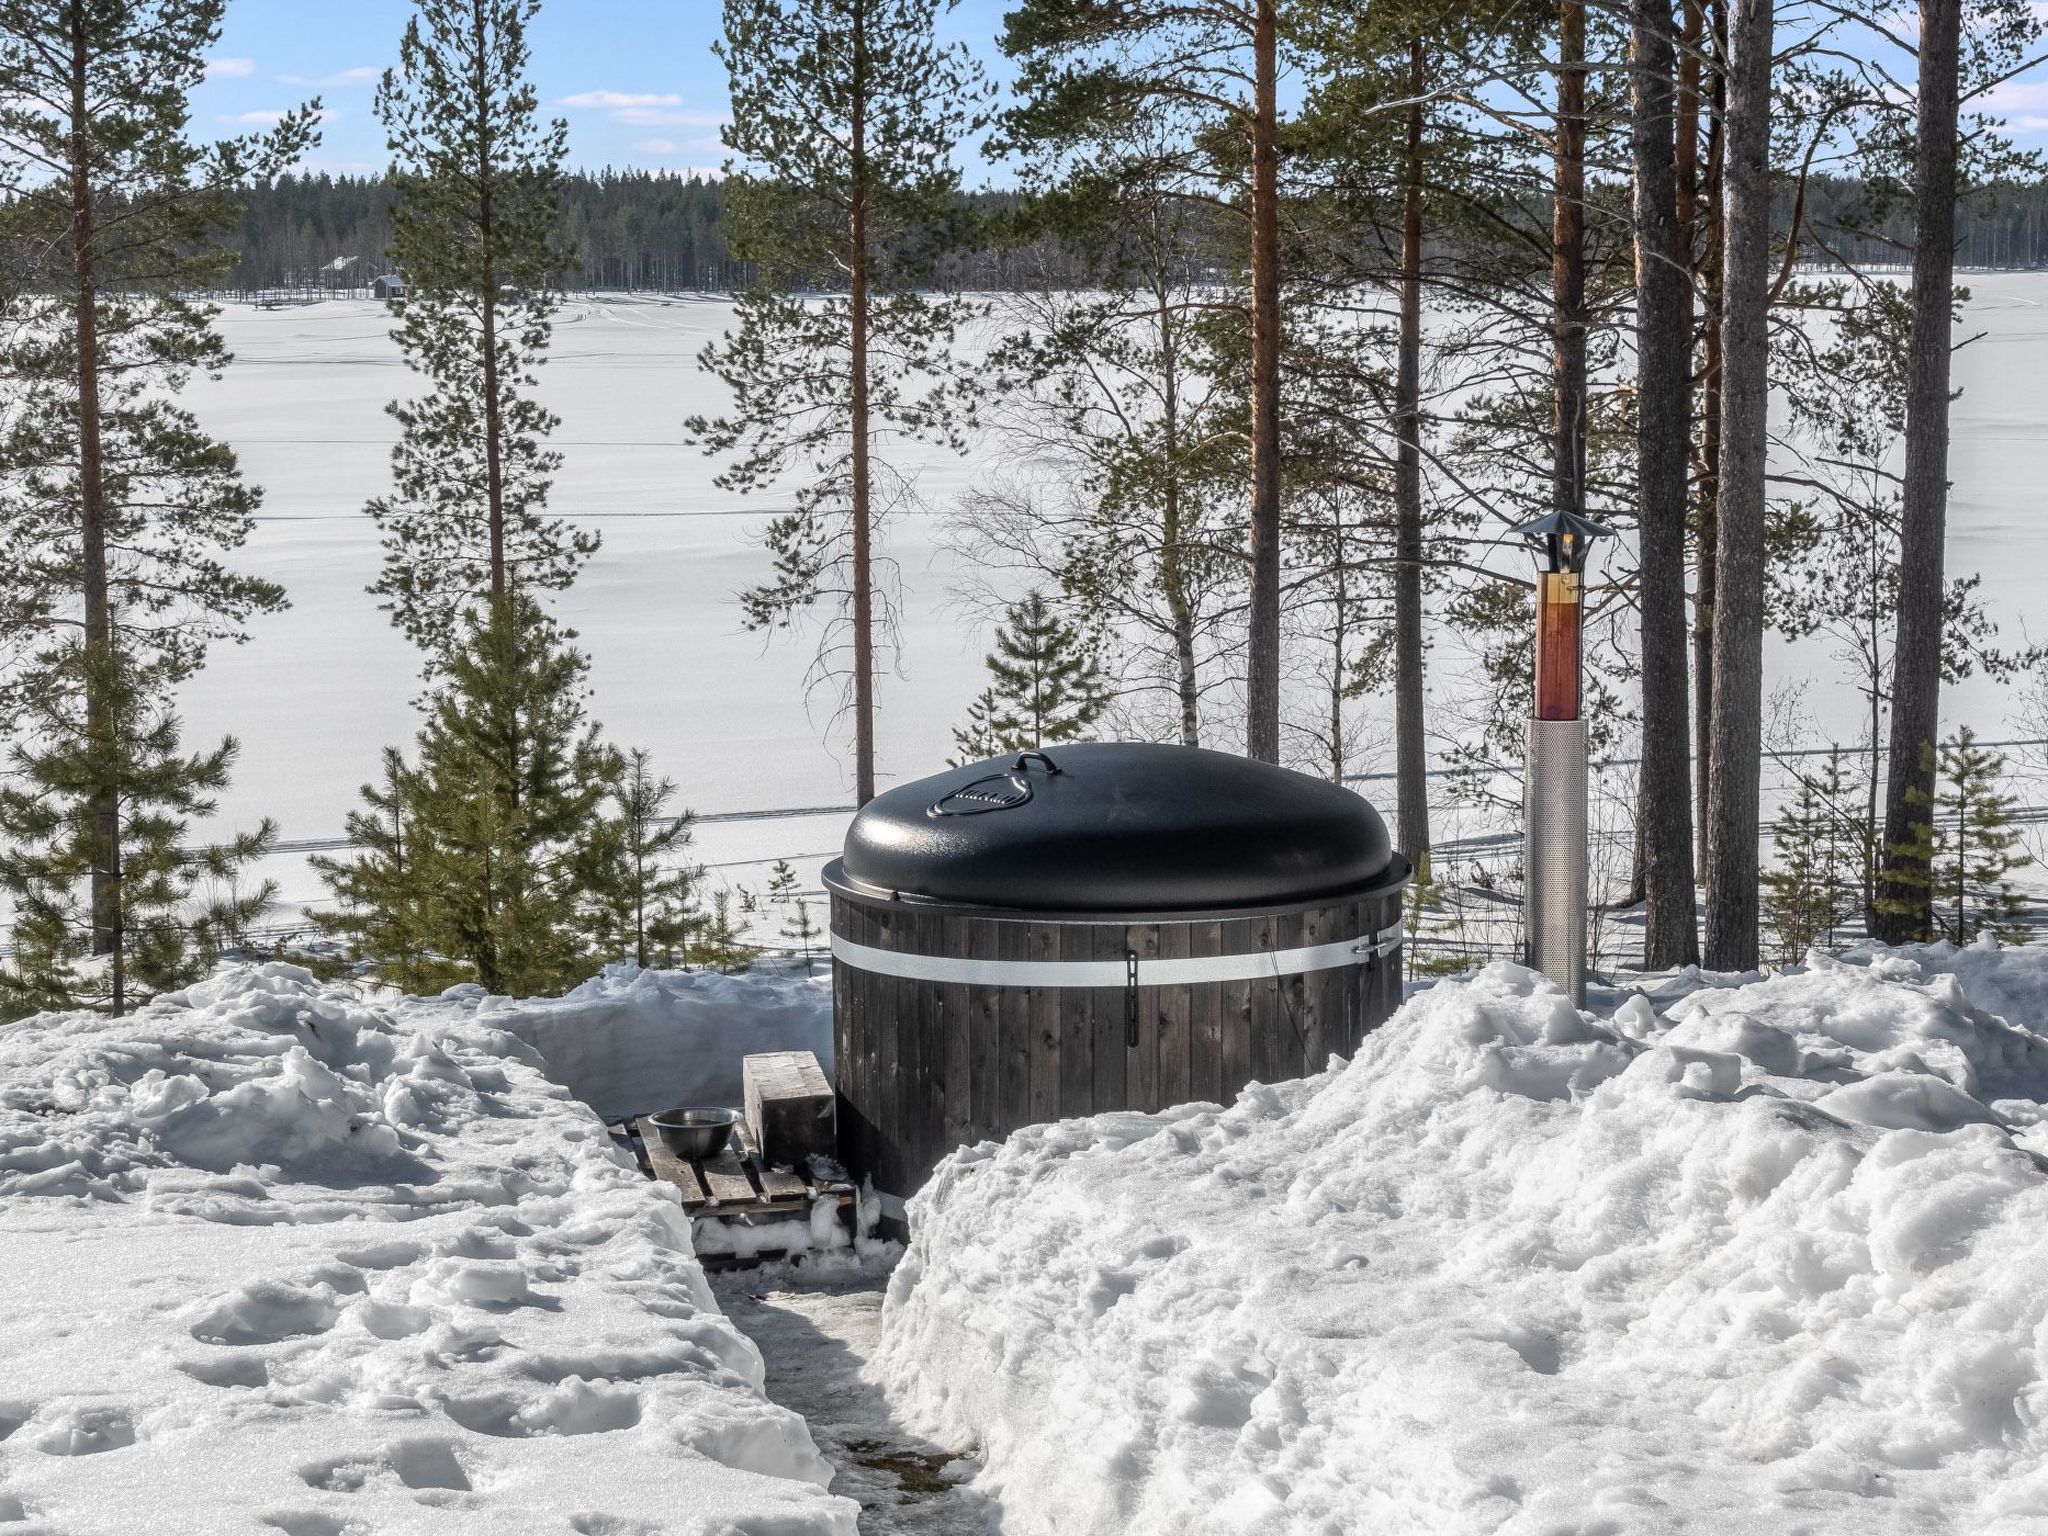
(1205, 1021)
(725, 1177)
(1276, 1006)
(1077, 1029)
(1112, 1066)
(672, 1169)
(1240, 936)
(1013, 1045)
(956, 1025)
(1042, 942)
(932, 1142)
(909, 1125)
(984, 1027)
(1141, 1065)
(1173, 1005)
(1325, 989)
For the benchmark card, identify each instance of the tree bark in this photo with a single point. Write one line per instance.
(857, 311)
(494, 450)
(1904, 911)
(1262, 662)
(1664, 450)
(1568, 265)
(104, 809)
(1411, 750)
(1737, 715)
(1704, 216)
(1172, 557)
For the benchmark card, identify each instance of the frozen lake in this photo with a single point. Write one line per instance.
(324, 687)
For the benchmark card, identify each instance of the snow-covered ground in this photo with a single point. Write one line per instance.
(274, 1257)
(1766, 1256)
(722, 711)
(630, 1042)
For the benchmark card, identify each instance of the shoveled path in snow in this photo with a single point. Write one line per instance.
(816, 1331)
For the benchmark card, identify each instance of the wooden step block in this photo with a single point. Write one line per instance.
(788, 1106)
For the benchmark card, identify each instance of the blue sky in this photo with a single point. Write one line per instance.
(635, 79)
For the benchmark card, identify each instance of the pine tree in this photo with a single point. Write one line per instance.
(845, 117)
(1974, 847)
(782, 881)
(1823, 846)
(116, 510)
(1047, 683)
(501, 808)
(721, 945)
(979, 738)
(639, 902)
(385, 906)
(169, 933)
(477, 179)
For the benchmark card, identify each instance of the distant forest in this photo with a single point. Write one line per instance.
(657, 231)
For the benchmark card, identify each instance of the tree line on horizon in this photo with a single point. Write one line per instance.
(1259, 394)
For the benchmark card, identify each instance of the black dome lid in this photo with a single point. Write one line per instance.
(1117, 827)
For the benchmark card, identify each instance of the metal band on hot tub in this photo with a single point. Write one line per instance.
(1193, 970)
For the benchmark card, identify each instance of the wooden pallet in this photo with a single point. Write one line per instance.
(736, 1186)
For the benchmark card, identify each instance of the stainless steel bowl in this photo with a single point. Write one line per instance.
(695, 1133)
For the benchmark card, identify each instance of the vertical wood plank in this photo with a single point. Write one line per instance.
(1013, 1107)
(1109, 942)
(1172, 1010)
(1240, 936)
(1077, 1028)
(1205, 1020)
(1141, 1069)
(985, 1034)
(1042, 942)
(1277, 1024)
(955, 1040)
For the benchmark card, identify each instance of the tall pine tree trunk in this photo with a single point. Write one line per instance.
(1262, 662)
(1903, 912)
(487, 304)
(104, 809)
(1706, 220)
(1172, 555)
(1568, 265)
(1737, 717)
(1664, 448)
(1411, 753)
(857, 310)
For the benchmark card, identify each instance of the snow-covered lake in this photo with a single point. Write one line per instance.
(321, 689)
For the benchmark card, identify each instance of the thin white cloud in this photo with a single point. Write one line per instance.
(613, 100)
(645, 109)
(230, 69)
(362, 74)
(262, 119)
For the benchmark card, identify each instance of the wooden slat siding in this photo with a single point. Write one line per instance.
(923, 1121)
(984, 1035)
(1240, 936)
(849, 1039)
(957, 1035)
(1042, 942)
(1205, 1021)
(1276, 1013)
(1170, 1014)
(1013, 1095)
(1321, 990)
(1141, 1065)
(1389, 910)
(1108, 941)
(884, 1030)
(1077, 1028)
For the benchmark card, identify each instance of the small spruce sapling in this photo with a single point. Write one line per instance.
(722, 945)
(1046, 686)
(1974, 847)
(1822, 844)
(639, 903)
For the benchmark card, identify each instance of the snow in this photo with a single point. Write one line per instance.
(277, 1257)
(1763, 1253)
(632, 1041)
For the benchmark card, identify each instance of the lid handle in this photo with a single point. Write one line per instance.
(1025, 757)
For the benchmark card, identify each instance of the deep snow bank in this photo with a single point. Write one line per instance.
(275, 1258)
(1776, 1261)
(631, 1042)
